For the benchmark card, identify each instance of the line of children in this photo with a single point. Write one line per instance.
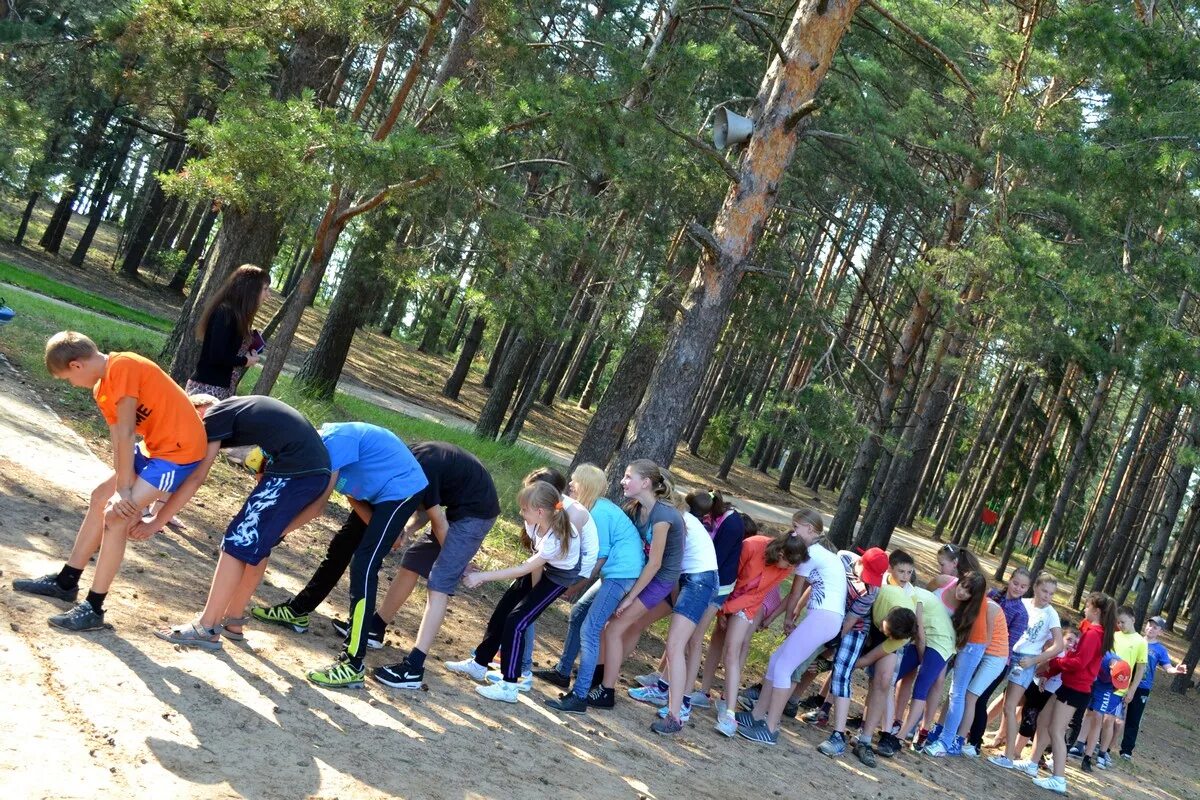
(1011, 601)
(1157, 658)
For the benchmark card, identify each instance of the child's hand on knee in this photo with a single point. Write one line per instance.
(144, 530)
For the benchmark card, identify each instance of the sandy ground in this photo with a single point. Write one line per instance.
(120, 714)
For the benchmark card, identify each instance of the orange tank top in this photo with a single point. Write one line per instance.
(998, 646)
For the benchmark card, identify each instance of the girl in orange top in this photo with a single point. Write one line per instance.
(764, 564)
(995, 659)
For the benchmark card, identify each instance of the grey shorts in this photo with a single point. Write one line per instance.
(442, 566)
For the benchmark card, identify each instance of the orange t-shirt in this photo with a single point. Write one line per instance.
(998, 646)
(755, 578)
(166, 419)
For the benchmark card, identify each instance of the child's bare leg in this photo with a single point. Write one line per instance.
(713, 658)
(91, 530)
(116, 530)
(738, 631)
(236, 608)
(225, 583)
(403, 582)
(695, 648)
(675, 658)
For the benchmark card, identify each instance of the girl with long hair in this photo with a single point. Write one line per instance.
(972, 630)
(226, 333)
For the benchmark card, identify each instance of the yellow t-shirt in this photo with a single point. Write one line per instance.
(939, 628)
(1132, 649)
(890, 597)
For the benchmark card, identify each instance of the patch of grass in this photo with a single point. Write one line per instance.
(93, 302)
(23, 342)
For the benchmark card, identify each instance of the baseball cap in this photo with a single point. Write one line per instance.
(874, 564)
(1121, 673)
(1159, 621)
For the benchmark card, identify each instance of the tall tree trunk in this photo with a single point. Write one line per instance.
(785, 97)
(515, 358)
(195, 249)
(89, 146)
(462, 367)
(102, 195)
(1177, 484)
(597, 374)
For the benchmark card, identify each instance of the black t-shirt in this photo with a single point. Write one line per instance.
(457, 480)
(290, 444)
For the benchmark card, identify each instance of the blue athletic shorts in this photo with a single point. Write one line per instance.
(1106, 702)
(158, 472)
(267, 512)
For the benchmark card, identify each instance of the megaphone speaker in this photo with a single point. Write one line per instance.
(730, 128)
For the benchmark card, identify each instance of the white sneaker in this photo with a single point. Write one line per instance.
(685, 712)
(651, 679)
(468, 667)
(727, 724)
(523, 685)
(1030, 768)
(504, 692)
(970, 751)
(1052, 783)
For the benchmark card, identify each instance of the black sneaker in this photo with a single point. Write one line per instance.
(46, 586)
(553, 676)
(888, 745)
(570, 703)
(791, 708)
(854, 721)
(1086, 766)
(865, 753)
(599, 697)
(374, 635)
(80, 618)
(400, 676)
(813, 701)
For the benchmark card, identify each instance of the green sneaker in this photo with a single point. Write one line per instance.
(339, 675)
(281, 614)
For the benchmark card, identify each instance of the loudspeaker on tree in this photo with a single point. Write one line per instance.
(730, 128)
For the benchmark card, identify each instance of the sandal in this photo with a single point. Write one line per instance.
(192, 634)
(233, 636)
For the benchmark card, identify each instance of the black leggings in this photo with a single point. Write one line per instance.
(514, 613)
(387, 523)
(333, 566)
(1133, 720)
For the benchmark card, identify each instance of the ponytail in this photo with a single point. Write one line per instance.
(544, 496)
(787, 547)
(661, 483)
(1108, 617)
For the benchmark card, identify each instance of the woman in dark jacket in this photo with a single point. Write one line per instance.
(225, 328)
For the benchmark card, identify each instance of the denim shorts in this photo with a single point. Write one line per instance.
(1021, 676)
(443, 565)
(988, 670)
(267, 512)
(696, 592)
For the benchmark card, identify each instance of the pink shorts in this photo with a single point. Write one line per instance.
(771, 602)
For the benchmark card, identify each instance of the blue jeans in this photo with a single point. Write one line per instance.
(579, 612)
(602, 600)
(965, 664)
(527, 652)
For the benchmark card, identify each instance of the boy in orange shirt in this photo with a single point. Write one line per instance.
(136, 398)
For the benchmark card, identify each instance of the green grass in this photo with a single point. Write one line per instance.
(78, 297)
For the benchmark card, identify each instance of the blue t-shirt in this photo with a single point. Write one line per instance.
(372, 464)
(1104, 677)
(1156, 656)
(620, 543)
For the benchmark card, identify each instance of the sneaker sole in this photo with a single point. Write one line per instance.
(766, 742)
(198, 644)
(280, 623)
(69, 597)
(351, 685)
(62, 627)
(399, 684)
(576, 712)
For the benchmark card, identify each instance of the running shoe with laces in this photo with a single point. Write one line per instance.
(503, 691)
(374, 636)
(835, 745)
(668, 726)
(759, 732)
(80, 618)
(1002, 761)
(469, 667)
(553, 677)
(935, 749)
(701, 700)
(1104, 761)
(523, 685)
(1054, 784)
(46, 586)
(400, 676)
(600, 697)
(341, 674)
(811, 702)
(685, 712)
(791, 709)
(888, 745)
(569, 703)
(649, 694)
(744, 718)
(865, 753)
(969, 750)
(1030, 768)
(649, 679)
(818, 717)
(727, 724)
(281, 614)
